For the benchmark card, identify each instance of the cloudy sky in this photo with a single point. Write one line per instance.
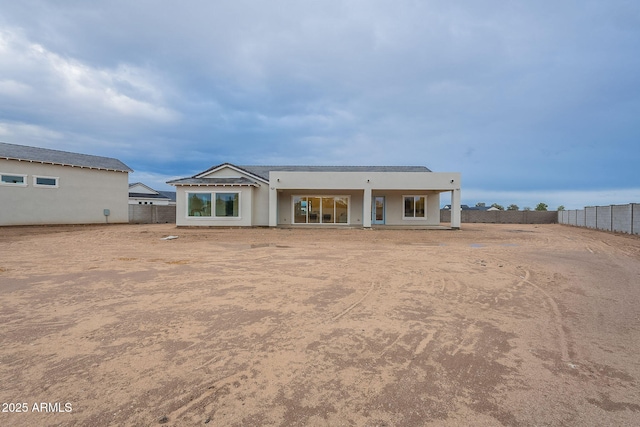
(531, 101)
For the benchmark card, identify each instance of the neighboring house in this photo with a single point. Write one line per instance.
(140, 194)
(43, 186)
(473, 208)
(365, 196)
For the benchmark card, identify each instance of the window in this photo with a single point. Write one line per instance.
(45, 181)
(13, 179)
(320, 209)
(216, 205)
(414, 207)
(199, 204)
(227, 204)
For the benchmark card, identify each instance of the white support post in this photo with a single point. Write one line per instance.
(366, 208)
(455, 209)
(273, 206)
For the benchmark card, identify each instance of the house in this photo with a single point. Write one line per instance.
(44, 186)
(141, 194)
(275, 196)
(473, 208)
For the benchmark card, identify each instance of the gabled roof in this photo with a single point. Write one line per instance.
(135, 184)
(63, 158)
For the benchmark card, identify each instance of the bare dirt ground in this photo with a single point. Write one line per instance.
(515, 325)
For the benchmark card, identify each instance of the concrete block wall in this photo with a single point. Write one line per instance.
(152, 214)
(590, 213)
(603, 218)
(618, 218)
(503, 217)
(621, 217)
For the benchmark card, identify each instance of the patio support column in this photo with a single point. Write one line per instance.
(455, 209)
(273, 206)
(366, 208)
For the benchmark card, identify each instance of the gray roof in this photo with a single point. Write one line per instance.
(212, 181)
(56, 157)
(263, 171)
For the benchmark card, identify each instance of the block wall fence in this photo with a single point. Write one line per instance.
(152, 214)
(502, 217)
(618, 218)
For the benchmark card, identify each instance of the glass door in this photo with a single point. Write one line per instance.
(377, 210)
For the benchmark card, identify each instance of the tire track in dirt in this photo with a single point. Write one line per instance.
(557, 316)
(352, 306)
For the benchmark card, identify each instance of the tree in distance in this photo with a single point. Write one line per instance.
(513, 207)
(542, 206)
(497, 206)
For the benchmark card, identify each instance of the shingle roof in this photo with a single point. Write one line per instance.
(148, 196)
(263, 171)
(212, 181)
(56, 157)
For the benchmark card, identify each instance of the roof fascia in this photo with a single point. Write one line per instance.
(42, 162)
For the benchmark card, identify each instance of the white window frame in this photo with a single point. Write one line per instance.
(214, 203)
(213, 215)
(14, 184)
(35, 181)
(414, 217)
(293, 209)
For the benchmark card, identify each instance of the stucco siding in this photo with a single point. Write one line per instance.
(245, 208)
(80, 197)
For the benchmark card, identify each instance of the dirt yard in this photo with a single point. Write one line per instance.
(514, 325)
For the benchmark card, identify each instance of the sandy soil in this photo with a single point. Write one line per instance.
(491, 325)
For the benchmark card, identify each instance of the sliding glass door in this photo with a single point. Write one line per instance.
(320, 209)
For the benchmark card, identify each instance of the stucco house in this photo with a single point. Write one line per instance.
(276, 196)
(44, 186)
(141, 194)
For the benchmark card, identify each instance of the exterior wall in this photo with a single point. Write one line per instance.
(504, 217)
(603, 217)
(393, 184)
(260, 214)
(590, 214)
(244, 220)
(81, 197)
(621, 217)
(394, 207)
(618, 218)
(152, 214)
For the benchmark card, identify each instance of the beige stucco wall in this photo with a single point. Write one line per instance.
(254, 202)
(246, 202)
(394, 207)
(364, 186)
(80, 198)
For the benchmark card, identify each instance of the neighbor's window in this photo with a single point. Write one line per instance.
(228, 204)
(198, 204)
(45, 181)
(414, 206)
(11, 179)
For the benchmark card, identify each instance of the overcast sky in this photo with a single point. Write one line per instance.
(531, 101)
